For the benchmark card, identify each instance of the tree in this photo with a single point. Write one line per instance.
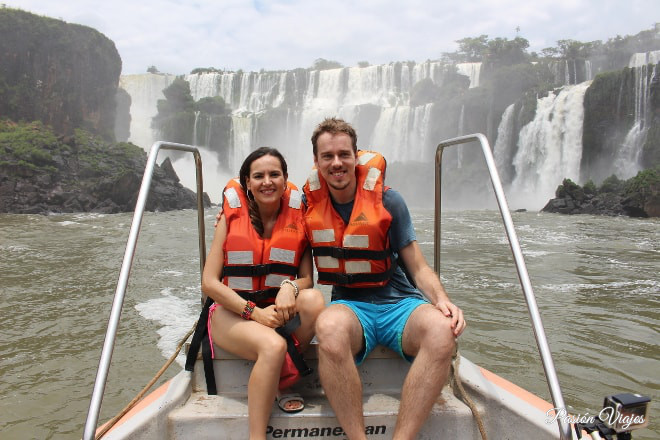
(505, 52)
(212, 105)
(323, 64)
(473, 48)
(572, 49)
(152, 69)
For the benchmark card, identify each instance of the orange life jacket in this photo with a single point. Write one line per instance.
(254, 266)
(356, 254)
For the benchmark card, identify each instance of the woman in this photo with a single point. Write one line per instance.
(261, 224)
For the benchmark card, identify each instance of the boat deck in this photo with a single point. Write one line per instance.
(181, 408)
(382, 376)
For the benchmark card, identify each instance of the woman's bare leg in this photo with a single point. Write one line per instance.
(253, 341)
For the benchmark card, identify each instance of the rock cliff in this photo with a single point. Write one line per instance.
(42, 173)
(62, 74)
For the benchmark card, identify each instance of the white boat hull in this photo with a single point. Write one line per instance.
(181, 408)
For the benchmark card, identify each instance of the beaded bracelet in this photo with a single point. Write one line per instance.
(247, 311)
(295, 286)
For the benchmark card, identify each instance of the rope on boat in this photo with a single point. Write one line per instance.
(101, 432)
(464, 396)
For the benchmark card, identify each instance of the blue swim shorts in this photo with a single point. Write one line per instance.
(382, 324)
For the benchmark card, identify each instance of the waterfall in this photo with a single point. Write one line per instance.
(549, 147)
(376, 99)
(503, 149)
(472, 71)
(644, 58)
(461, 128)
(281, 109)
(588, 72)
(626, 163)
(145, 91)
(195, 124)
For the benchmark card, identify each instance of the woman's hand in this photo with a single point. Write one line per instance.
(285, 302)
(217, 217)
(267, 316)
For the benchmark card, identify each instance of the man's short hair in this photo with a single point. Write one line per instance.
(334, 126)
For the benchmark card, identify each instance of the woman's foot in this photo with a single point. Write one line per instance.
(290, 402)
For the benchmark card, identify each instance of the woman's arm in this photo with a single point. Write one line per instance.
(285, 302)
(222, 294)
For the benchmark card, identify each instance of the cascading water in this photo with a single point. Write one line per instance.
(281, 109)
(626, 163)
(503, 148)
(472, 71)
(461, 129)
(375, 98)
(549, 147)
(145, 91)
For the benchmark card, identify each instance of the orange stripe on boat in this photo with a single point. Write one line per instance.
(517, 391)
(150, 398)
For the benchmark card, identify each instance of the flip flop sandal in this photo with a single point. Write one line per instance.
(283, 399)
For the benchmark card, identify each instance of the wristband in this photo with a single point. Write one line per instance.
(247, 311)
(295, 286)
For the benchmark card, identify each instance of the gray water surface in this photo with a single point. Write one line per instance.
(596, 281)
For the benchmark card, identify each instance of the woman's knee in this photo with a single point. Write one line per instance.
(272, 347)
(310, 301)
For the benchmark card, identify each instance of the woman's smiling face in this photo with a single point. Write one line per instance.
(266, 181)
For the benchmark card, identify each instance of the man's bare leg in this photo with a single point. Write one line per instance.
(429, 338)
(340, 337)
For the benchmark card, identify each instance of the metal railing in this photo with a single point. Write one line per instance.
(541, 341)
(115, 313)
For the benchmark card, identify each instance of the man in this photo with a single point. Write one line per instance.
(357, 229)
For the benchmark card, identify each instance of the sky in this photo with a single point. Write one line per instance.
(177, 36)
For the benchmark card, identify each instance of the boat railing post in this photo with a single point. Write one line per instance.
(523, 276)
(129, 253)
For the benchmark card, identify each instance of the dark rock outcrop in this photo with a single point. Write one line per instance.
(637, 197)
(41, 173)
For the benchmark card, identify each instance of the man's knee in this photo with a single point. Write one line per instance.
(430, 330)
(334, 330)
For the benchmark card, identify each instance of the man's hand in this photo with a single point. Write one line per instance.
(450, 310)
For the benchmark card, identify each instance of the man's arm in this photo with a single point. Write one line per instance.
(429, 283)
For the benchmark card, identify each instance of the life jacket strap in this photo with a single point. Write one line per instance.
(346, 279)
(343, 253)
(259, 295)
(257, 270)
(286, 331)
(200, 338)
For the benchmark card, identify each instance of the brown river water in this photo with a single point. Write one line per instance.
(596, 279)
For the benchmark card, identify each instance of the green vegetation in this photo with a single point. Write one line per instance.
(643, 182)
(323, 64)
(34, 146)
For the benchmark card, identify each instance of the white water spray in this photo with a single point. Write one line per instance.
(549, 147)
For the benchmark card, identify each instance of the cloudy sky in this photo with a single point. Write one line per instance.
(177, 36)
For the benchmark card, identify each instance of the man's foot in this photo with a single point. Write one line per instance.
(290, 402)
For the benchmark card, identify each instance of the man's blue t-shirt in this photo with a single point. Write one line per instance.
(401, 234)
